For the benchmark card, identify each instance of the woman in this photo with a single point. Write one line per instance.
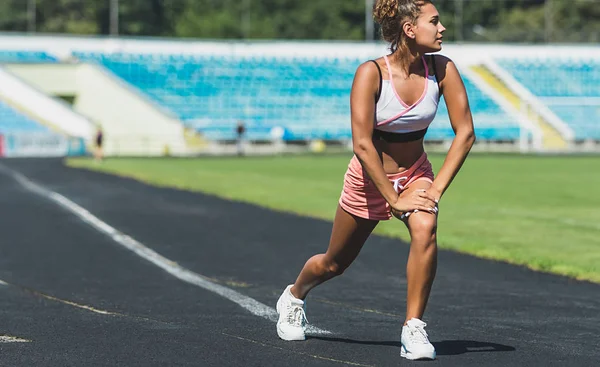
(393, 101)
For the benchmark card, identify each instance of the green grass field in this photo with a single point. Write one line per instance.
(538, 211)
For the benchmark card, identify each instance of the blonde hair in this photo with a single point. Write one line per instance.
(392, 14)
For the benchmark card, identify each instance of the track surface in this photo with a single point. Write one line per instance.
(81, 299)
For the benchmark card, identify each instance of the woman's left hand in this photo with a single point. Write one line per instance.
(434, 193)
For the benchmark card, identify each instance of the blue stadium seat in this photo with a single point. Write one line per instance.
(12, 121)
(568, 87)
(308, 96)
(9, 56)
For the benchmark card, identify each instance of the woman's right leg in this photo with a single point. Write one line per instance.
(348, 236)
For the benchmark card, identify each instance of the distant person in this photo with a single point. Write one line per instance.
(98, 149)
(240, 135)
(393, 101)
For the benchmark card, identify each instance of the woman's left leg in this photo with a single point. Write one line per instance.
(422, 259)
(420, 272)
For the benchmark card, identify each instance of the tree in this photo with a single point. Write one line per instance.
(13, 15)
(479, 20)
(68, 16)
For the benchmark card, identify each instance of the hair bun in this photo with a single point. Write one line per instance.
(385, 9)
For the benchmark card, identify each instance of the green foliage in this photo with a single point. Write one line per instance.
(479, 20)
(13, 15)
(68, 16)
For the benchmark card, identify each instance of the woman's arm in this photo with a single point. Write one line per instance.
(459, 112)
(362, 105)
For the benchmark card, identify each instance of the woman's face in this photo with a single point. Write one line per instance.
(428, 29)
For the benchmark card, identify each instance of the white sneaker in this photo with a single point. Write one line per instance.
(415, 343)
(292, 317)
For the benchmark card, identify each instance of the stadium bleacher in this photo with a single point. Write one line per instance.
(568, 87)
(12, 121)
(10, 56)
(307, 97)
(491, 122)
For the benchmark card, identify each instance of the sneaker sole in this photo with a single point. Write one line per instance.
(410, 356)
(288, 337)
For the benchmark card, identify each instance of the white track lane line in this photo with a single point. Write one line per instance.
(250, 304)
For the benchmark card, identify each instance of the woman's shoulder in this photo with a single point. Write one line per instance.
(439, 63)
(439, 57)
(372, 63)
(369, 68)
(437, 60)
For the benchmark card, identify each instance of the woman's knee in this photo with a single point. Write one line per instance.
(423, 227)
(332, 267)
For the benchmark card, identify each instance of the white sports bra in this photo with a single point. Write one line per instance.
(405, 122)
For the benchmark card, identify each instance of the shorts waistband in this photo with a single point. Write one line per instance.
(356, 166)
(410, 170)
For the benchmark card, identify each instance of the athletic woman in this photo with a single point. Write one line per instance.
(393, 101)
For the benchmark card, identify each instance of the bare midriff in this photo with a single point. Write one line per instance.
(399, 156)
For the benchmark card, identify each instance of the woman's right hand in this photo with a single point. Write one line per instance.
(415, 200)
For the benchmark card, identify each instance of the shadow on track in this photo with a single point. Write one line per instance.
(443, 348)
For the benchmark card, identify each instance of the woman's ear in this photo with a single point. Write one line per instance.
(409, 30)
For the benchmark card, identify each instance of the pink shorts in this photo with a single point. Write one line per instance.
(360, 196)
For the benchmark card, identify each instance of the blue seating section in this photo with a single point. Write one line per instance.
(11, 121)
(490, 121)
(573, 81)
(9, 56)
(308, 97)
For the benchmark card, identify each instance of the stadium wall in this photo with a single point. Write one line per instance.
(36, 144)
(133, 125)
(464, 54)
